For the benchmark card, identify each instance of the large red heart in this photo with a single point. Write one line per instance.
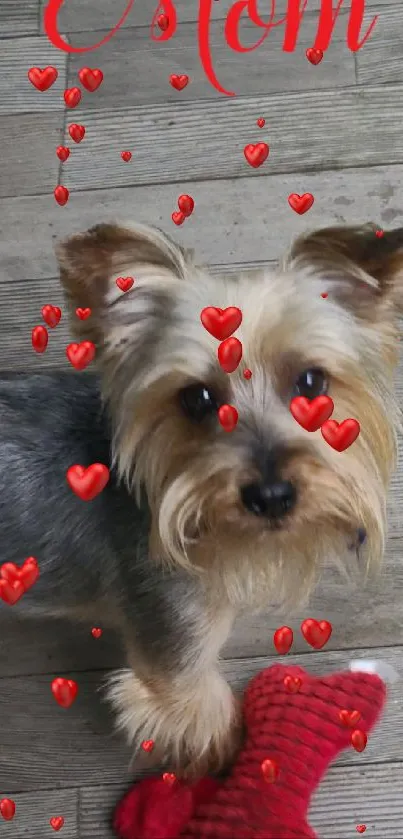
(39, 338)
(124, 283)
(90, 79)
(42, 79)
(186, 205)
(227, 417)
(61, 194)
(179, 82)
(80, 355)
(7, 809)
(51, 315)
(88, 483)
(358, 740)
(229, 354)
(311, 413)
(221, 323)
(77, 132)
(64, 691)
(301, 203)
(56, 822)
(282, 639)
(256, 154)
(72, 96)
(340, 435)
(63, 153)
(314, 56)
(316, 633)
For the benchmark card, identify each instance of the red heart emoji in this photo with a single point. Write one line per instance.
(361, 828)
(11, 592)
(282, 639)
(126, 156)
(147, 745)
(358, 740)
(61, 194)
(169, 778)
(379, 233)
(88, 483)
(56, 822)
(80, 355)
(314, 56)
(227, 417)
(256, 154)
(77, 132)
(72, 96)
(83, 314)
(51, 315)
(178, 82)
(96, 631)
(292, 683)
(311, 413)
(39, 338)
(221, 323)
(301, 203)
(324, 294)
(27, 574)
(229, 354)
(163, 22)
(63, 153)
(186, 205)
(178, 218)
(340, 435)
(349, 718)
(247, 374)
(7, 809)
(261, 122)
(316, 633)
(90, 79)
(64, 691)
(42, 79)
(270, 770)
(124, 283)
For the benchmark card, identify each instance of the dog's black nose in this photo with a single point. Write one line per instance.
(270, 500)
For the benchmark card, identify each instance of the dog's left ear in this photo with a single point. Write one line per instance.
(361, 266)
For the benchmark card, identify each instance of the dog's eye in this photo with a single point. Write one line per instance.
(311, 383)
(198, 402)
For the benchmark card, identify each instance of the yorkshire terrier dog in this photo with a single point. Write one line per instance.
(196, 523)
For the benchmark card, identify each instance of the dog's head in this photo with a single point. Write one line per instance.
(263, 505)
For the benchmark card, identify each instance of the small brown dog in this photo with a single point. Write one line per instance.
(234, 518)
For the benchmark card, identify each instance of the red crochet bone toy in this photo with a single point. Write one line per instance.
(296, 725)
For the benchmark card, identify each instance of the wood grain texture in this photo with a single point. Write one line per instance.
(18, 18)
(377, 64)
(17, 94)
(205, 140)
(28, 144)
(34, 811)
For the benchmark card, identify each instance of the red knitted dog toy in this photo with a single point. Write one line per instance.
(296, 725)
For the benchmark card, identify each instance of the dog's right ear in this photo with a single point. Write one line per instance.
(91, 262)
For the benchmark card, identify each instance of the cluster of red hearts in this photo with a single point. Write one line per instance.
(79, 355)
(256, 154)
(221, 324)
(313, 414)
(43, 80)
(186, 206)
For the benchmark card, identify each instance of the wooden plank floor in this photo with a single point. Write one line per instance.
(334, 130)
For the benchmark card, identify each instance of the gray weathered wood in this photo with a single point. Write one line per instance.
(17, 94)
(34, 810)
(18, 18)
(204, 140)
(375, 64)
(28, 145)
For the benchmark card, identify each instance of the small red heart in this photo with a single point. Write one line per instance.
(314, 56)
(227, 417)
(340, 435)
(186, 205)
(311, 413)
(27, 574)
(379, 233)
(83, 314)
(270, 770)
(39, 338)
(56, 822)
(358, 740)
(11, 592)
(126, 156)
(324, 294)
(282, 639)
(261, 122)
(361, 828)
(64, 691)
(42, 79)
(349, 718)
(72, 96)
(256, 154)
(80, 355)
(292, 683)
(179, 82)
(316, 633)
(247, 374)
(61, 194)
(169, 778)
(63, 153)
(90, 79)
(229, 354)
(88, 482)
(178, 218)
(7, 809)
(147, 745)
(51, 315)
(163, 22)
(77, 132)
(96, 631)
(221, 323)
(301, 203)
(124, 283)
